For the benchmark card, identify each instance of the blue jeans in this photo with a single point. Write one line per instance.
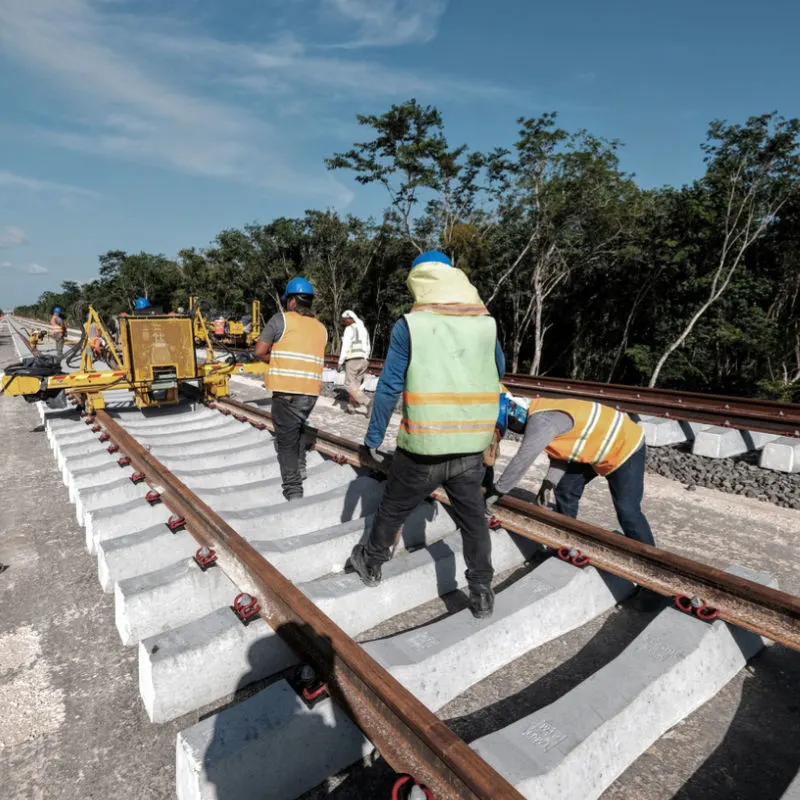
(627, 489)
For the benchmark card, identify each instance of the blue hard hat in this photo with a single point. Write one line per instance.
(298, 286)
(434, 256)
(142, 302)
(57, 310)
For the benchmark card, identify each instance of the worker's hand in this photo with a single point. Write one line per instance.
(340, 368)
(545, 496)
(377, 457)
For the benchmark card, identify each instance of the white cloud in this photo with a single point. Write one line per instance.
(36, 185)
(391, 22)
(29, 269)
(12, 236)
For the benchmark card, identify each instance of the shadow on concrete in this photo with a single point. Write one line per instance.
(615, 634)
(759, 756)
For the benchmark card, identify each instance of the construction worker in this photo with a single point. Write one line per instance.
(583, 440)
(143, 308)
(445, 360)
(353, 360)
(58, 330)
(219, 326)
(293, 344)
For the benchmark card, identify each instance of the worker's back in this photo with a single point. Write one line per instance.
(298, 357)
(452, 385)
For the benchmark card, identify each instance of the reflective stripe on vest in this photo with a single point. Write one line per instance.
(452, 388)
(358, 348)
(298, 357)
(601, 436)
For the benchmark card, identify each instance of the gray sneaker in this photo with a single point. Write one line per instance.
(370, 574)
(481, 601)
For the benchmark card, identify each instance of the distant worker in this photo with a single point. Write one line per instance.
(583, 440)
(445, 360)
(58, 330)
(219, 326)
(353, 359)
(293, 344)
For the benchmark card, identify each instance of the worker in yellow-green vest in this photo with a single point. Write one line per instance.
(293, 344)
(445, 360)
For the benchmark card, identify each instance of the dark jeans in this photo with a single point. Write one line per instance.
(627, 489)
(410, 481)
(289, 414)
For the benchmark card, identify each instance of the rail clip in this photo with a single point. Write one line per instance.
(225, 411)
(104, 437)
(137, 477)
(697, 606)
(211, 405)
(573, 556)
(176, 523)
(339, 459)
(113, 448)
(205, 558)
(309, 688)
(96, 428)
(245, 607)
(404, 786)
(153, 497)
(494, 523)
(259, 426)
(124, 461)
(240, 417)
(88, 419)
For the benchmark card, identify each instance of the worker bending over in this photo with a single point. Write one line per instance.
(58, 330)
(445, 359)
(583, 440)
(353, 359)
(293, 344)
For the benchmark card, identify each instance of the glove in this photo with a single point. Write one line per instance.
(377, 457)
(544, 497)
(340, 368)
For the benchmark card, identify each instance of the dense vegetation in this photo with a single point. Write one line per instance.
(589, 275)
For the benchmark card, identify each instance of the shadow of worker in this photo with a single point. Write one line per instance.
(283, 738)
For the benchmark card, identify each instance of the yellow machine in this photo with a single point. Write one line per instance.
(36, 337)
(157, 356)
(236, 333)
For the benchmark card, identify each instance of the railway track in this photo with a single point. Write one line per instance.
(216, 469)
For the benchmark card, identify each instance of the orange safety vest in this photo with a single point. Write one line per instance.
(57, 324)
(219, 327)
(298, 357)
(601, 436)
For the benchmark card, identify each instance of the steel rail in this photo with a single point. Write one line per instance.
(409, 736)
(761, 609)
(743, 413)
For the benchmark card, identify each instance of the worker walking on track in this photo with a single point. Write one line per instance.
(353, 359)
(58, 330)
(445, 360)
(293, 344)
(583, 439)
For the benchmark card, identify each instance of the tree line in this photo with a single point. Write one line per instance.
(589, 275)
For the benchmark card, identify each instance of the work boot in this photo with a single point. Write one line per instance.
(646, 600)
(370, 574)
(481, 601)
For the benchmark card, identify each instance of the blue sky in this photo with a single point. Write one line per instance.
(153, 124)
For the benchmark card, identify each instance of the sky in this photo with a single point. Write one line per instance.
(154, 124)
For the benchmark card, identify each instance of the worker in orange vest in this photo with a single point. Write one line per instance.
(58, 330)
(583, 439)
(293, 344)
(219, 326)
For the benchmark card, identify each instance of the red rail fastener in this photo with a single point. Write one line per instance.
(96, 428)
(573, 556)
(683, 603)
(113, 448)
(205, 557)
(310, 694)
(104, 437)
(245, 607)
(176, 523)
(88, 420)
(259, 426)
(211, 405)
(339, 459)
(707, 613)
(153, 497)
(137, 477)
(404, 784)
(494, 523)
(225, 411)
(240, 417)
(124, 461)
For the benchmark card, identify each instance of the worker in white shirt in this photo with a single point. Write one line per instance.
(353, 359)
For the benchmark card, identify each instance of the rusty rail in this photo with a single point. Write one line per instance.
(409, 736)
(744, 413)
(768, 612)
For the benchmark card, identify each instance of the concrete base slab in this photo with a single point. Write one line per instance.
(117, 491)
(244, 437)
(441, 661)
(83, 465)
(141, 552)
(575, 747)
(782, 455)
(229, 755)
(716, 442)
(755, 440)
(187, 667)
(240, 471)
(662, 432)
(108, 523)
(168, 598)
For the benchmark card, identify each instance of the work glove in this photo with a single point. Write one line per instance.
(377, 457)
(545, 496)
(340, 368)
